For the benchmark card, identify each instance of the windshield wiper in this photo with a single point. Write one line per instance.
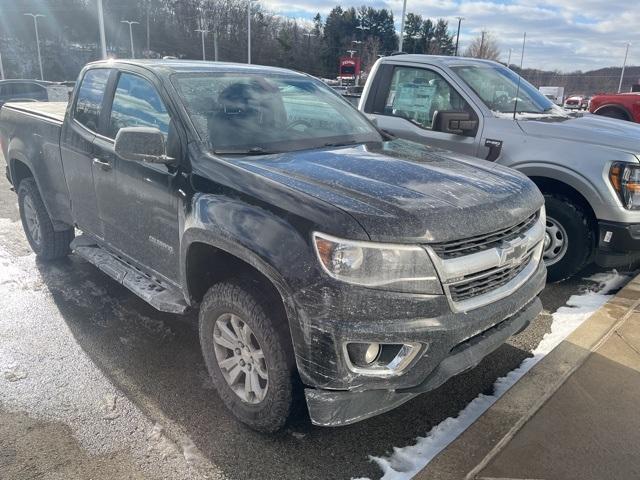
(340, 144)
(248, 151)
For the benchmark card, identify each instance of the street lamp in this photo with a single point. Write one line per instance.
(203, 31)
(130, 23)
(249, 2)
(458, 34)
(35, 24)
(624, 64)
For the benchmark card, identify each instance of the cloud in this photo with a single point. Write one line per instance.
(567, 35)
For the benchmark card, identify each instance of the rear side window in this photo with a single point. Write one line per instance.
(137, 103)
(90, 95)
(416, 94)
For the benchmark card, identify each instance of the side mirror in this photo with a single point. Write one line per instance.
(457, 123)
(142, 144)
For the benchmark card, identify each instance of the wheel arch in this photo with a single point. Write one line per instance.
(19, 169)
(553, 186)
(208, 260)
(614, 107)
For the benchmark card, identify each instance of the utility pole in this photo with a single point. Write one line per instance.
(458, 34)
(509, 59)
(215, 40)
(35, 25)
(203, 31)
(482, 44)
(103, 42)
(404, 10)
(249, 2)
(1, 68)
(130, 23)
(148, 33)
(624, 64)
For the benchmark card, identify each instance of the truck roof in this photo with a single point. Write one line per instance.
(441, 60)
(197, 66)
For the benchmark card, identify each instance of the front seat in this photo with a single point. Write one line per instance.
(239, 119)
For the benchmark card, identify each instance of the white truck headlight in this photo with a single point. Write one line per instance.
(625, 179)
(401, 268)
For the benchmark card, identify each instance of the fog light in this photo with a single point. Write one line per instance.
(380, 359)
(372, 353)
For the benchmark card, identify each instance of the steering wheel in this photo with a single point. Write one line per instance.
(296, 123)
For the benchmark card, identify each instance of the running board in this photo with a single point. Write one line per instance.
(160, 296)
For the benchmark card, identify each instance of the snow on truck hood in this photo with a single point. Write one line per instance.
(402, 191)
(587, 129)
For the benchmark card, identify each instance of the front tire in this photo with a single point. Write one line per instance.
(247, 356)
(569, 237)
(47, 243)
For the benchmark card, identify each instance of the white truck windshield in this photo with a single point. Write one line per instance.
(498, 88)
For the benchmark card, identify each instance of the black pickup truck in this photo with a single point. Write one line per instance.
(324, 256)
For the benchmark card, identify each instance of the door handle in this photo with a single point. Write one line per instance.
(103, 164)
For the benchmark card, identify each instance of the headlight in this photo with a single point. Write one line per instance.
(401, 268)
(625, 179)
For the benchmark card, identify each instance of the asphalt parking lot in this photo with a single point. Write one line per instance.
(153, 360)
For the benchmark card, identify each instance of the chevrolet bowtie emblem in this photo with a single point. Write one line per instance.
(512, 252)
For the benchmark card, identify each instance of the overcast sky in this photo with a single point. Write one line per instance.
(567, 35)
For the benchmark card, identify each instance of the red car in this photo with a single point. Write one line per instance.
(625, 106)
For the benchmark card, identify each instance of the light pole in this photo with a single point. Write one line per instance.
(509, 59)
(249, 2)
(130, 23)
(458, 34)
(404, 9)
(203, 31)
(1, 68)
(103, 42)
(35, 25)
(624, 64)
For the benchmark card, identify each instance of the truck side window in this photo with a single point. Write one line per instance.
(417, 93)
(137, 103)
(90, 95)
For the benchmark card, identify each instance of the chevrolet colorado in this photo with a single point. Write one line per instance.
(587, 166)
(324, 258)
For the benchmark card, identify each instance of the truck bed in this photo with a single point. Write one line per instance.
(50, 110)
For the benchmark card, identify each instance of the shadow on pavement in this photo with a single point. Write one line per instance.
(155, 359)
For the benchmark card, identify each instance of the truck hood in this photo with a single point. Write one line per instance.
(404, 192)
(587, 129)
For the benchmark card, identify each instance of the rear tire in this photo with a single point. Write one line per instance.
(242, 345)
(47, 243)
(569, 237)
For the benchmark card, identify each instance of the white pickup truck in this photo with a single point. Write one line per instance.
(587, 166)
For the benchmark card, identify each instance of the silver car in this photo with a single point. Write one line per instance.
(587, 166)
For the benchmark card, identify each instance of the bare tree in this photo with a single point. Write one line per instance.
(484, 46)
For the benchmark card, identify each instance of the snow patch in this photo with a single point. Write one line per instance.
(405, 462)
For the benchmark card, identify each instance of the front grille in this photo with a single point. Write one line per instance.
(479, 284)
(459, 248)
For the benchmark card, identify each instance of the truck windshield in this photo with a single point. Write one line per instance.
(497, 86)
(258, 113)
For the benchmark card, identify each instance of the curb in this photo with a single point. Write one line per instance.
(468, 454)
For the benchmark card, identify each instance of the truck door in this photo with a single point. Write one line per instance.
(76, 145)
(137, 202)
(406, 100)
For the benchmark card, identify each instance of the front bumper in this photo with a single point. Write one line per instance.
(454, 342)
(618, 244)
